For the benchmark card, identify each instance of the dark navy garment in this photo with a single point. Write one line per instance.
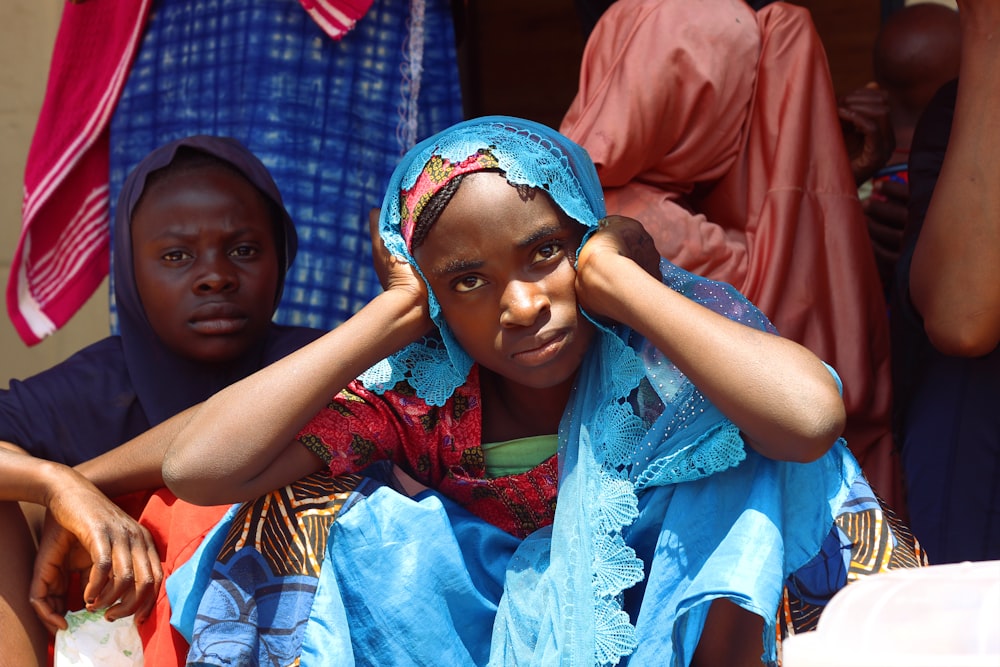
(75, 410)
(947, 409)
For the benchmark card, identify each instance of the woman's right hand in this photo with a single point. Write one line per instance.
(394, 273)
(85, 531)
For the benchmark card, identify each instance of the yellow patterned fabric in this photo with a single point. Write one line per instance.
(872, 539)
(289, 527)
(254, 596)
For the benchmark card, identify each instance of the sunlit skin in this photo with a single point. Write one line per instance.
(206, 263)
(505, 279)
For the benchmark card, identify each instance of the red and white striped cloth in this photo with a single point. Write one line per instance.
(336, 18)
(62, 253)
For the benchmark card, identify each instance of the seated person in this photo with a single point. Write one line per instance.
(201, 246)
(579, 410)
(716, 127)
(946, 309)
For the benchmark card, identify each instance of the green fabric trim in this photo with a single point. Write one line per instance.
(512, 457)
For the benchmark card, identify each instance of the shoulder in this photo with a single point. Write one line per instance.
(411, 411)
(96, 374)
(105, 357)
(75, 409)
(359, 426)
(398, 414)
(715, 295)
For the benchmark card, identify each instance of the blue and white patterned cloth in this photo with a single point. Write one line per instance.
(330, 119)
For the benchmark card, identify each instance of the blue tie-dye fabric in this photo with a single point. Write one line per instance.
(328, 118)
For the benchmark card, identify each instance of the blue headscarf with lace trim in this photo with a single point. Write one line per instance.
(638, 443)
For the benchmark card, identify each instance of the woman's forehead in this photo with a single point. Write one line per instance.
(488, 199)
(487, 208)
(207, 197)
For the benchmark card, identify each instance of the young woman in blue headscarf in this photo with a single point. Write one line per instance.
(625, 463)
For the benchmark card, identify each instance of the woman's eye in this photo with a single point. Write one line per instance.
(469, 283)
(243, 251)
(175, 256)
(549, 250)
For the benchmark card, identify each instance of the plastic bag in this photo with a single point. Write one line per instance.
(92, 641)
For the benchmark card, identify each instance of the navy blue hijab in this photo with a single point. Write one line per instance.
(164, 382)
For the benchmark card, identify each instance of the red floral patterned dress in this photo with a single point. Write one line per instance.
(441, 447)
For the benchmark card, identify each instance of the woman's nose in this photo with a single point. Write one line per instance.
(523, 302)
(216, 275)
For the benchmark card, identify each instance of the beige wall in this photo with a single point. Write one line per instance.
(28, 30)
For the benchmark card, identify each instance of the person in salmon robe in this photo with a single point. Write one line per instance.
(716, 125)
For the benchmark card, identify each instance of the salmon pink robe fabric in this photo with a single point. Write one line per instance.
(716, 127)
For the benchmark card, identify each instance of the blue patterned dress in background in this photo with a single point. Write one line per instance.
(330, 119)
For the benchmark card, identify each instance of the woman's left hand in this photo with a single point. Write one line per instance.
(87, 532)
(625, 237)
(600, 262)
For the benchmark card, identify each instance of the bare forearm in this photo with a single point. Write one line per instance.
(952, 277)
(776, 391)
(25, 478)
(136, 465)
(237, 438)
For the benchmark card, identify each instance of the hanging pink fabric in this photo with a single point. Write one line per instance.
(717, 128)
(62, 253)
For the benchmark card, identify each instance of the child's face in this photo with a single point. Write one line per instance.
(206, 264)
(502, 269)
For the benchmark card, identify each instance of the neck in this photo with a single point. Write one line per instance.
(511, 410)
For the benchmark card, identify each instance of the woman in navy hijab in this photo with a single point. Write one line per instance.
(202, 242)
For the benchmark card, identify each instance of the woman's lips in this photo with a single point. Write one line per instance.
(542, 353)
(219, 326)
(218, 319)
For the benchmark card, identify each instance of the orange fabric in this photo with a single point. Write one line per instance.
(178, 528)
(716, 127)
